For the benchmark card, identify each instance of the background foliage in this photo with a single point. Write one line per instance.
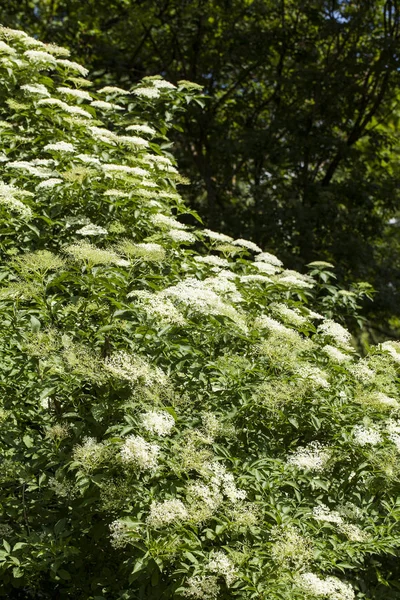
(297, 146)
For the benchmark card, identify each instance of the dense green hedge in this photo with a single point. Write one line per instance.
(176, 421)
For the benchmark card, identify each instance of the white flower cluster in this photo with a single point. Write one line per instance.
(73, 66)
(32, 168)
(217, 237)
(147, 92)
(148, 252)
(275, 326)
(36, 88)
(134, 369)
(313, 375)
(92, 229)
(202, 587)
(292, 279)
(198, 296)
(362, 372)
(81, 94)
(165, 222)
(119, 533)
(313, 457)
(335, 354)
(353, 532)
(364, 436)
(291, 315)
(60, 147)
(266, 268)
(102, 105)
(141, 129)
(160, 423)
(49, 183)
(92, 255)
(181, 237)
(330, 588)
(8, 198)
(166, 512)
(255, 279)
(140, 453)
(246, 244)
(219, 563)
(72, 110)
(393, 348)
(214, 261)
(385, 400)
(115, 170)
(157, 307)
(290, 549)
(323, 513)
(224, 482)
(90, 454)
(269, 258)
(332, 329)
(110, 89)
(41, 58)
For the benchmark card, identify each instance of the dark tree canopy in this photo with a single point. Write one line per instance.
(297, 145)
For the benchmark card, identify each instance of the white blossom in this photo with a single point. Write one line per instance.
(267, 268)
(212, 260)
(60, 147)
(331, 329)
(166, 512)
(219, 563)
(246, 244)
(146, 92)
(323, 513)
(148, 252)
(41, 58)
(162, 84)
(105, 105)
(335, 354)
(181, 237)
(313, 457)
(385, 400)
(111, 89)
(8, 198)
(223, 482)
(202, 587)
(366, 435)
(141, 129)
(73, 66)
(140, 453)
(296, 280)
(291, 315)
(49, 183)
(393, 348)
(217, 237)
(32, 169)
(36, 88)
(160, 423)
(6, 49)
(314, 374)
(255, 279)
(91, 229)
(134, 369)
(268, 258)
(168, 222)
(82, 94)
(330, 588)
(362, 372)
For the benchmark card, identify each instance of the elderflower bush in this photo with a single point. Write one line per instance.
(176, 419)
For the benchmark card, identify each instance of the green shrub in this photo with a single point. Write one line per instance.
(176, 421)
